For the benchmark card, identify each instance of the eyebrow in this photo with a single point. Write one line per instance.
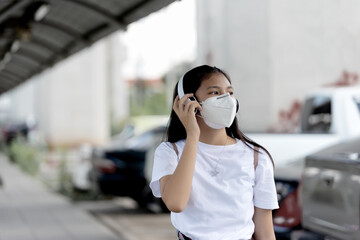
(217, 87)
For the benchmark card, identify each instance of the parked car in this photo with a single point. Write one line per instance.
(120, 170)
(290, 219)
(83, 175)
(10, 131)
(287, 218)
(331, 193)
(328, 116)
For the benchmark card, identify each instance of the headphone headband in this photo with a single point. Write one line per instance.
(180, 87)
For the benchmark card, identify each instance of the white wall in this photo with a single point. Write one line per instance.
(275, 51)
(25, 108)
(233, 35)
(312, 42)
(77, 89)
(119, 96)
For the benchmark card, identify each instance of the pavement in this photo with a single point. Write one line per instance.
(135, 225)
(31, 211)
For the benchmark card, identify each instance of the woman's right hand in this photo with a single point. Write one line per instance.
(185, 110)
(176, 187)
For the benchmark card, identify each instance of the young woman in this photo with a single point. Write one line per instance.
(217, 183)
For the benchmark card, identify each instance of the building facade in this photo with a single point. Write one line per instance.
(75, 101)
(276, 51)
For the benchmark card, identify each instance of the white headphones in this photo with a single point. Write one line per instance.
(180, 87)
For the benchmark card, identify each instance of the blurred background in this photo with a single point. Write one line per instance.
(86, 86)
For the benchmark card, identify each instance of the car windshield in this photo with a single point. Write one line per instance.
(357, 102)
(316, 117)
(146, 140)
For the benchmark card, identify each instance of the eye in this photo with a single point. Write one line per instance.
(231, 93)
(214, 93)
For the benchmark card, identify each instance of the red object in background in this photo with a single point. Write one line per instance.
(346, 79)
(106, 166)
(288, 120)
(289, 213)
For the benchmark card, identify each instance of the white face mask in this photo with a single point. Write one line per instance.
(219, 112)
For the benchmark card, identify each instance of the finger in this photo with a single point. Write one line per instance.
(198, 106)
(176, 103)
(185, 97)
(187, 105)
(194, 105)
(189, 102)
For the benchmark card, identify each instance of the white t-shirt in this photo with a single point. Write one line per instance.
(222, 206)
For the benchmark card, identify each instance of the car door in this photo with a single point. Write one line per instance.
(331, 196)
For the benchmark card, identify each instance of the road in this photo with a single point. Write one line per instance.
(130, 223)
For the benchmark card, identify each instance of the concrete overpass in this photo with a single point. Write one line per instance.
(36, 34)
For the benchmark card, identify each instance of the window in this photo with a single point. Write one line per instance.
(357, 102)
(147, 139)
(316, 115)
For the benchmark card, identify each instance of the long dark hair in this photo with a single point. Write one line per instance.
(191, 82)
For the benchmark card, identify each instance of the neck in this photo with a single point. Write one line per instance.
(214, 136)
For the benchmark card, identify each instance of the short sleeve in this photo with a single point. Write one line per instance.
(165, 163)
(265, 196)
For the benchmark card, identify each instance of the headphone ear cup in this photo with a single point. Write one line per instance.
(237, 106)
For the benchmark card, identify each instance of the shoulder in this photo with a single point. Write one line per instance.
(169, 147)
(164, 146)
(170, 144)
(247, 148)
(262, 155)
(265, 163)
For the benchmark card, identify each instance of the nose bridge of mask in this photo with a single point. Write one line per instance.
(223, 96)
(214, 99)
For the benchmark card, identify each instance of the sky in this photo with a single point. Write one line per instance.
(160, 41)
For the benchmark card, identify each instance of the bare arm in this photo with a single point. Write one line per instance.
(264, 229)
(176, 188)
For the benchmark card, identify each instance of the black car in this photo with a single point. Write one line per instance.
(120, 170)
(9, 132)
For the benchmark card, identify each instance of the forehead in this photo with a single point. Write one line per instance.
(217, 79)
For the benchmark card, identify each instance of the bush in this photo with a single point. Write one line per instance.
(65, 184)
(25, 155)
(29, 158)
(152, 104)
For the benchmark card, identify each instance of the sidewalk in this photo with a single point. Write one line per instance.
(29, 211)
